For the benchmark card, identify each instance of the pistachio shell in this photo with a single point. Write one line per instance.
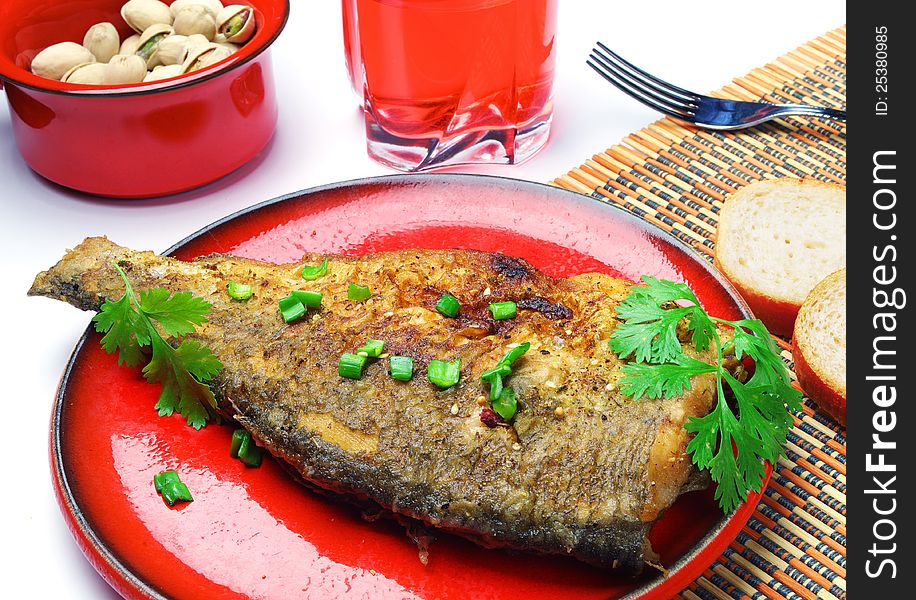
(88, 73)
(125, 69)
(54, 61)
(204, 56)
(213, 6)
(130, 45)
(140, 14)
(237, 23)
(103, 41)
(163, 72)
(172, 50)
(195, 19)
(196, 40)
(233, 48)
(149, 41)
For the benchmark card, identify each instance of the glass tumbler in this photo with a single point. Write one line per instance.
(447, 82)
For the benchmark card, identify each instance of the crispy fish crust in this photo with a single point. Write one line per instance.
(583, 471)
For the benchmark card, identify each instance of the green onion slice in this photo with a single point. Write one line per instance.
(448, 305)
(358, 293)
(502, 310)
(444, 373)
(237, 437)
(238, 291)
(372, 348)
(249, 453)
(311, 273)
(171, 488)
(308, 299)
(351, 365)
(496, 385)
(291, 308)
(401, 368)
(505, 404)
(501, 370)
(515, 353)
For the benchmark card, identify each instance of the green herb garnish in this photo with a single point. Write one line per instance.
(502, 397)
(171, 488)
(358, 293)
(444, 373)
(372, 348)
(311, 273)
(128, 327)
(308, 299)
(401, 367)
(351, 365)
(502, 310)
(243, 448)
(651, 314)
(291, 308)
(239, 291)
(448, 305)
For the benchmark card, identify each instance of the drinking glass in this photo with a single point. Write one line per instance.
(446, 82)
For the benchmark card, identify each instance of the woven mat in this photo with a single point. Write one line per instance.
(794, 546)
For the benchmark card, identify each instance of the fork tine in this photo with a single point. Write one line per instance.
(659, 92)
(660, 104)
(670, 88)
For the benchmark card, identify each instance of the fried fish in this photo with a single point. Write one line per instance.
(582, 469)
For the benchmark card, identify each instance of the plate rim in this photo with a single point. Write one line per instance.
(130, 585)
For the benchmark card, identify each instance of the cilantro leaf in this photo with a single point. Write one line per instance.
(123, 329)
(128, 325)
(731, 445)
(655, 381)
(179, 314)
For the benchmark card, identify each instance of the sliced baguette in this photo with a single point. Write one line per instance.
(777, 239)
(819, 346)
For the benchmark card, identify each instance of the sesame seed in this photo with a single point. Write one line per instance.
(454, 409)
(610, 387)
(516, 446)
(388, 314)
(487, 292)
(559, 412)
(569, 332)
(366, 354)
(481, 400)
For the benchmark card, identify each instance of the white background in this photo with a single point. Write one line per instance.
(700, 45)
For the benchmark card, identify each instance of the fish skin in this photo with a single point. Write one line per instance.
(588, 484)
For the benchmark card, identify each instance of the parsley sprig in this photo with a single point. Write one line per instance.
(128, 327)
(731, 446)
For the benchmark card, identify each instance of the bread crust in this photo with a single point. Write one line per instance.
(830, 396)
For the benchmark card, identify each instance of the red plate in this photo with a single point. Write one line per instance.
(257, 533)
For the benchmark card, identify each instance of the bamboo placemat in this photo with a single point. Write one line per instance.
(675, 176)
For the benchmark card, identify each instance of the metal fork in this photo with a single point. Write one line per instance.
(705, 111)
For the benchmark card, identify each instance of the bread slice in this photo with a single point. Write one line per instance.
(819, 347)
(777, 239)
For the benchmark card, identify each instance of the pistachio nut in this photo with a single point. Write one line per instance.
(88, 73)
(172, 50)
(140, 14)
(237, 23)
(204, 56)
(130, 45)
(194, 18)
(125, 69)
(195, 40)
(54, 61)
(213, 6)
(163, 72)
(149, 41)
(103, 41)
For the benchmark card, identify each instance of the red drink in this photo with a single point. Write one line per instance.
(452, 81)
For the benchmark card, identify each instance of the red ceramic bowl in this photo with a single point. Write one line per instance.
(135, 140)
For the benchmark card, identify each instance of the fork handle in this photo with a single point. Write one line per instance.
(785, 110)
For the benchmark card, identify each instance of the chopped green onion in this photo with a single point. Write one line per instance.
(291, 308)
(372, 348)
(237, 436)
(496, 385)
(401, 367)
(358, 293)
(502, 310)
(448, 305)
(308, 299)
(444, 373)
(171, 488)
(505, 404)
(311, 273)
(248, 452)
(501, 370)
(238, 291)
(351, 365)
(515, 353)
